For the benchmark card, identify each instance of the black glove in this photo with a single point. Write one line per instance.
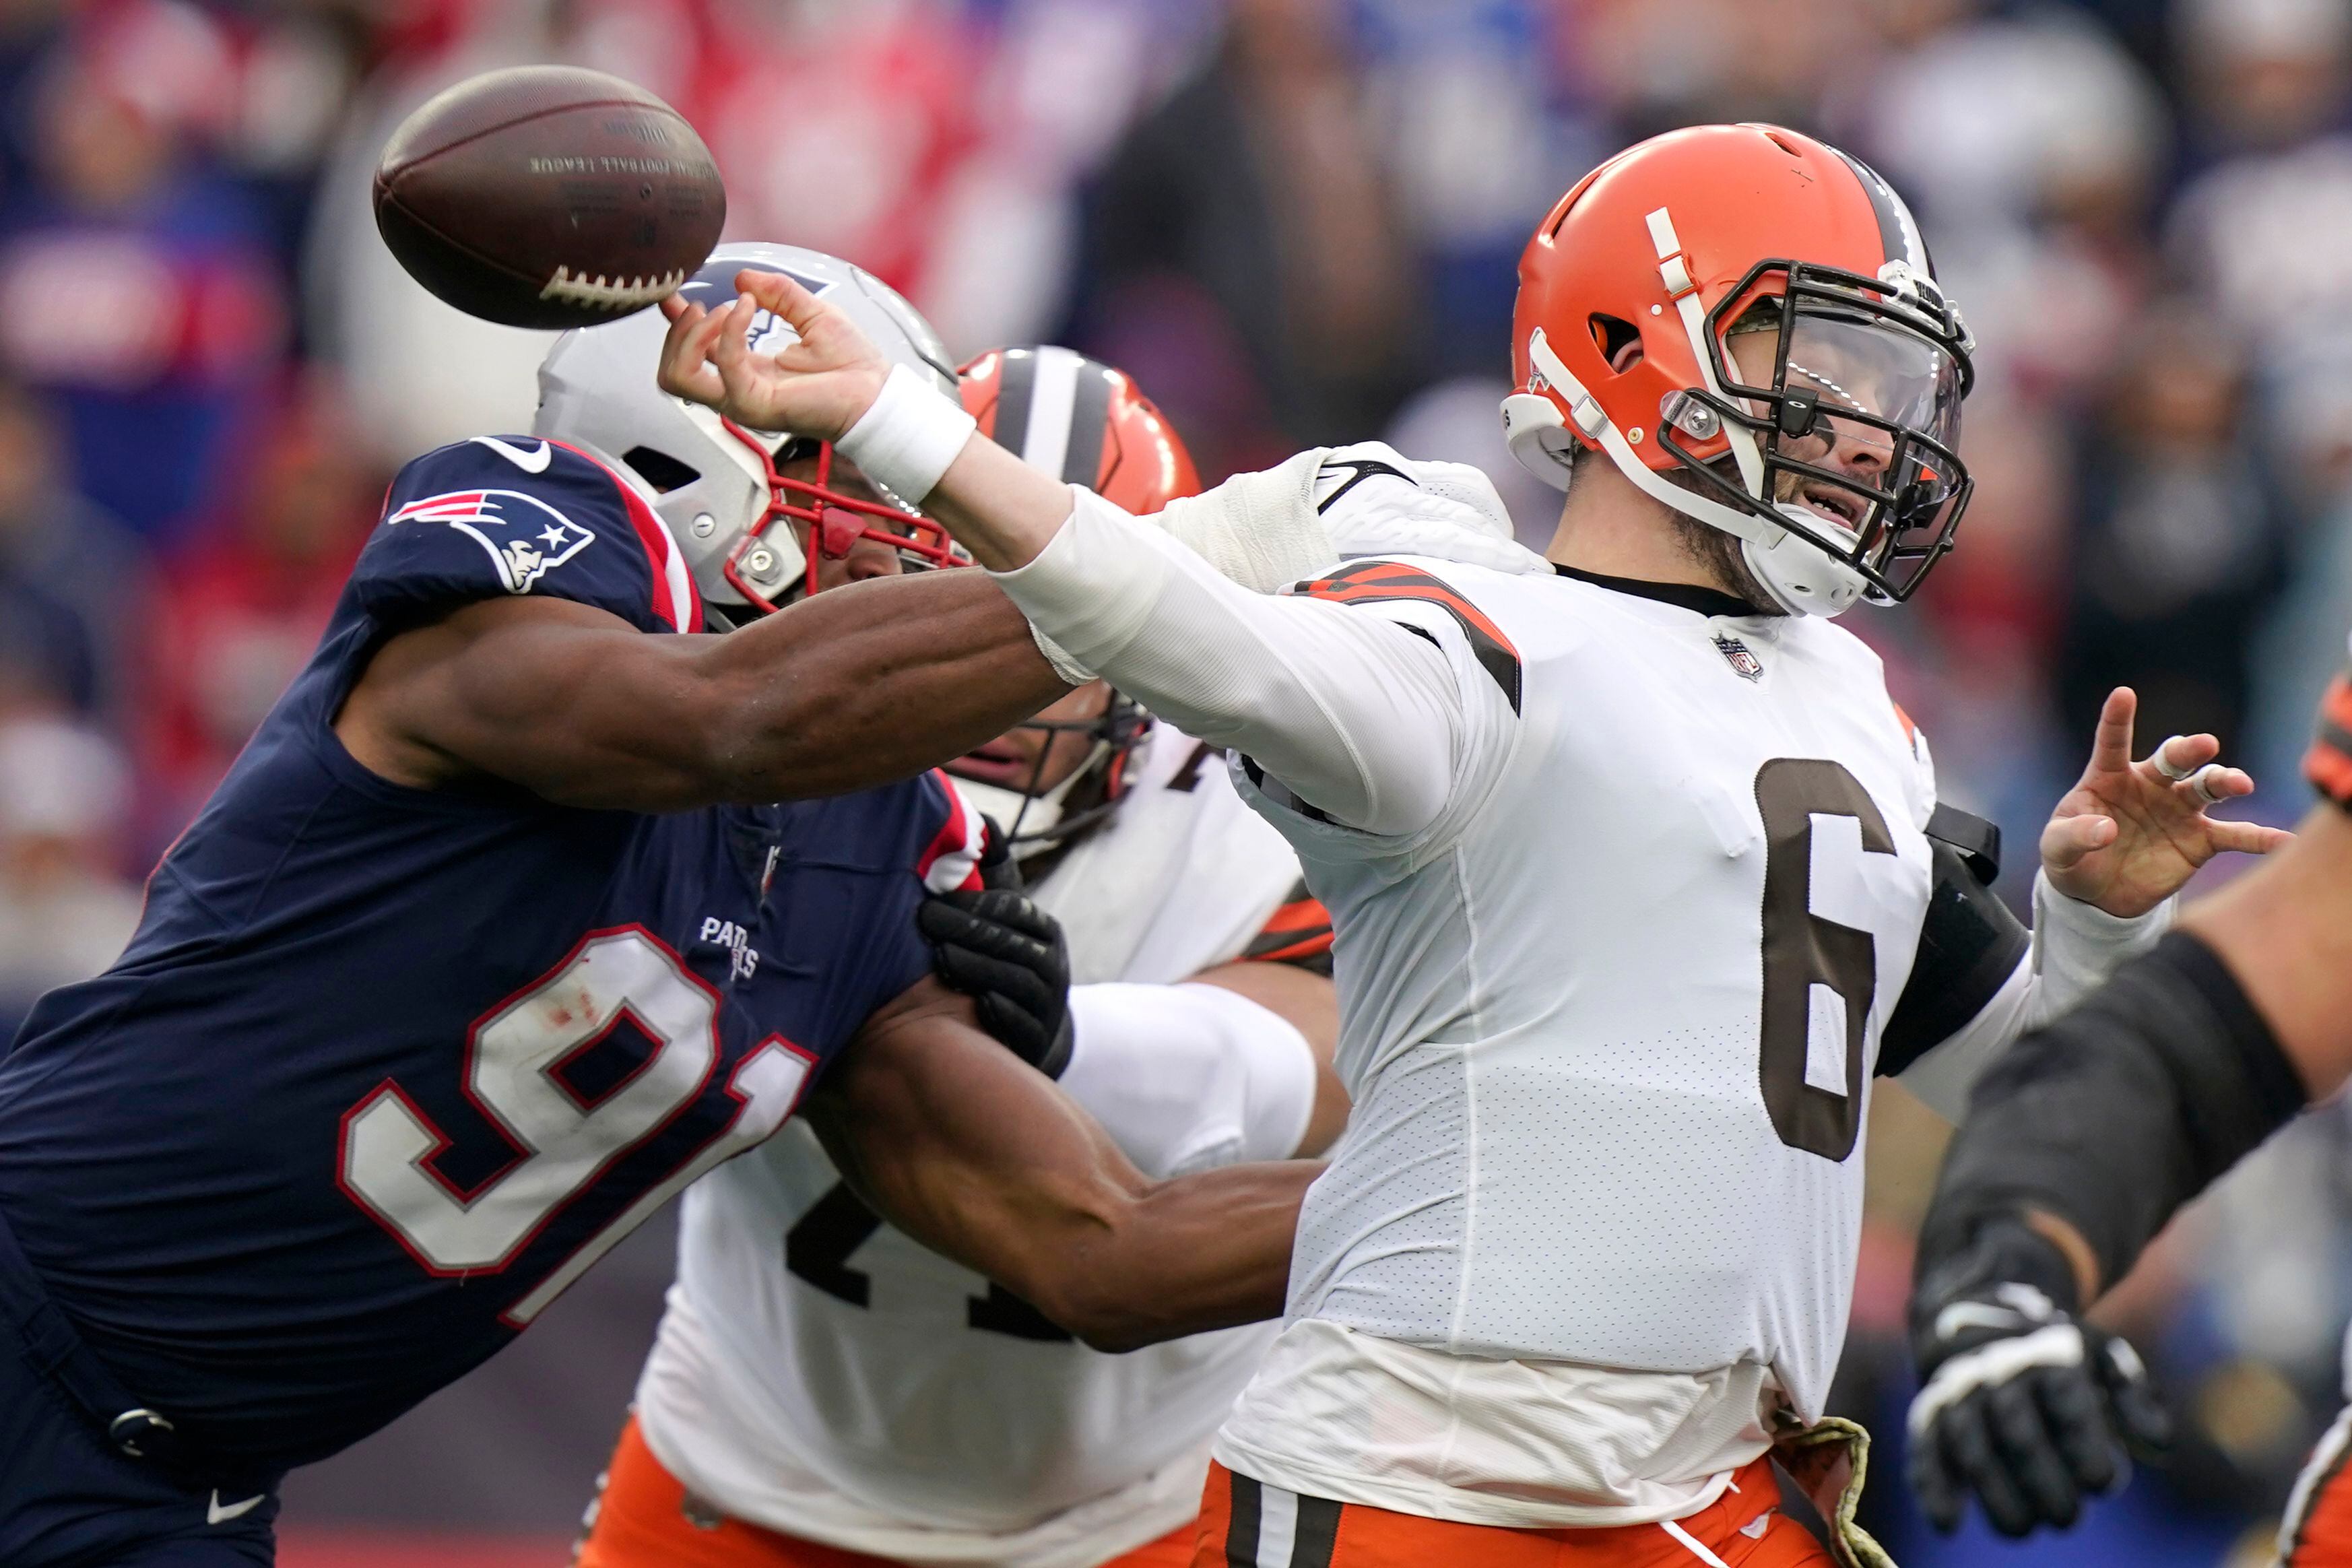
(2022, 1403)
(1008, 954)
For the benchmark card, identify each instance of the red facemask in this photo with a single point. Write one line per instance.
(836, 522)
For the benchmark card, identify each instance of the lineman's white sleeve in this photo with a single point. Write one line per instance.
(2076, 947)
(1189, 1076)
(1354, 714)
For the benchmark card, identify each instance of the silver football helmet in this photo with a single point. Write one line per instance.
(714, 482)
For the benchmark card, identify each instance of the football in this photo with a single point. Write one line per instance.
(549, 196)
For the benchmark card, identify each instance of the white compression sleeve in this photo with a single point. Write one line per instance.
(2076, 947)
(1355, 715)
(1187, 1076)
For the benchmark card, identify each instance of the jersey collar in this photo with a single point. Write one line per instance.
(1693, 596)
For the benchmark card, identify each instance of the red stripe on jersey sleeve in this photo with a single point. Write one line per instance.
(950, 862)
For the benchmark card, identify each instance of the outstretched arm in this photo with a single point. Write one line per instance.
(1362, 720)
(858, 686)
(978, 1156)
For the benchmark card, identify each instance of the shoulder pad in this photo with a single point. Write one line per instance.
(512, 515)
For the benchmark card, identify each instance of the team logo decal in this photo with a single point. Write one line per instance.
(524, 537)
(1744, 663)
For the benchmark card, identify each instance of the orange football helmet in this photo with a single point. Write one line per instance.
(1826, 447)
(1085, 422)
(1082, 420)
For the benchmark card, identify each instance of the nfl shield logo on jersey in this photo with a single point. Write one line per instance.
(1744, 664)
(524, 537)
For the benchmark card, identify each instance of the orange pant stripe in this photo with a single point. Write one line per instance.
(644, 1519)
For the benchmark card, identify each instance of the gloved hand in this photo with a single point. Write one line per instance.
(2022, 1403)
(1009, 956)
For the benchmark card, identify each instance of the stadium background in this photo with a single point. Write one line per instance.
(1296, 221)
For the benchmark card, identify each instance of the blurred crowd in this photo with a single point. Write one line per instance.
(1296, 221)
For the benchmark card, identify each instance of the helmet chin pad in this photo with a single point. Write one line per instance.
(1805, 579)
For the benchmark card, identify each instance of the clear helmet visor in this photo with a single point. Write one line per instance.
(1859, 420)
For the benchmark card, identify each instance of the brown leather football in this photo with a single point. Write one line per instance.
(549, 196)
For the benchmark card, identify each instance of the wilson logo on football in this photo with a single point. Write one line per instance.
(524, 537)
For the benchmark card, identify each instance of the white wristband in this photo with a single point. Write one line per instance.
(907, 438)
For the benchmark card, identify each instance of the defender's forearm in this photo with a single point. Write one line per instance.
(871, 683)
(1201, 1252)
(977, 1155)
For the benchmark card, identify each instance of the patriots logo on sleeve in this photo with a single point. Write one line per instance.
(524, 537)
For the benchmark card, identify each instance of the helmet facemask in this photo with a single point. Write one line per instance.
(1869, 370)
(769, 565)
(730, 497)
(1038, 817)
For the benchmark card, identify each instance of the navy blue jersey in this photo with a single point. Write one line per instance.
(384, 1069)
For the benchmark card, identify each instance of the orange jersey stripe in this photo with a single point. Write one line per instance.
(1376, 582)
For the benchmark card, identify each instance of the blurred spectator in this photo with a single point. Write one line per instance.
(2263, 75)
(65, 913)
(1481, 133)
(1246, 234)
(420, 372)
(839, 126)
(2179, 537)
(1658, 64)
(2266, 235)
(245, 601)
(69, 575)
(135, 281)
(1062, 81)
(2032, 146)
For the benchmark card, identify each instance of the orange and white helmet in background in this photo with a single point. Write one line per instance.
(1833, 457)
(1085, 422)
(1080, 419)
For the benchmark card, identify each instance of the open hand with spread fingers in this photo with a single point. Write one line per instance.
(2130, 833)
(816, 384)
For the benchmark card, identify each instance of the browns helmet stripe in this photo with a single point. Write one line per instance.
(1372, 581)
(1016, 378)
(1898, 231)
(1082, 455)
(1082, 421)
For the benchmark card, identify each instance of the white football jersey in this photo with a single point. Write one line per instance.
(820, 1373)
(1610, 1021)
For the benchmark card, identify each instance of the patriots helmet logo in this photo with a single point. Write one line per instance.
(524, 537)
